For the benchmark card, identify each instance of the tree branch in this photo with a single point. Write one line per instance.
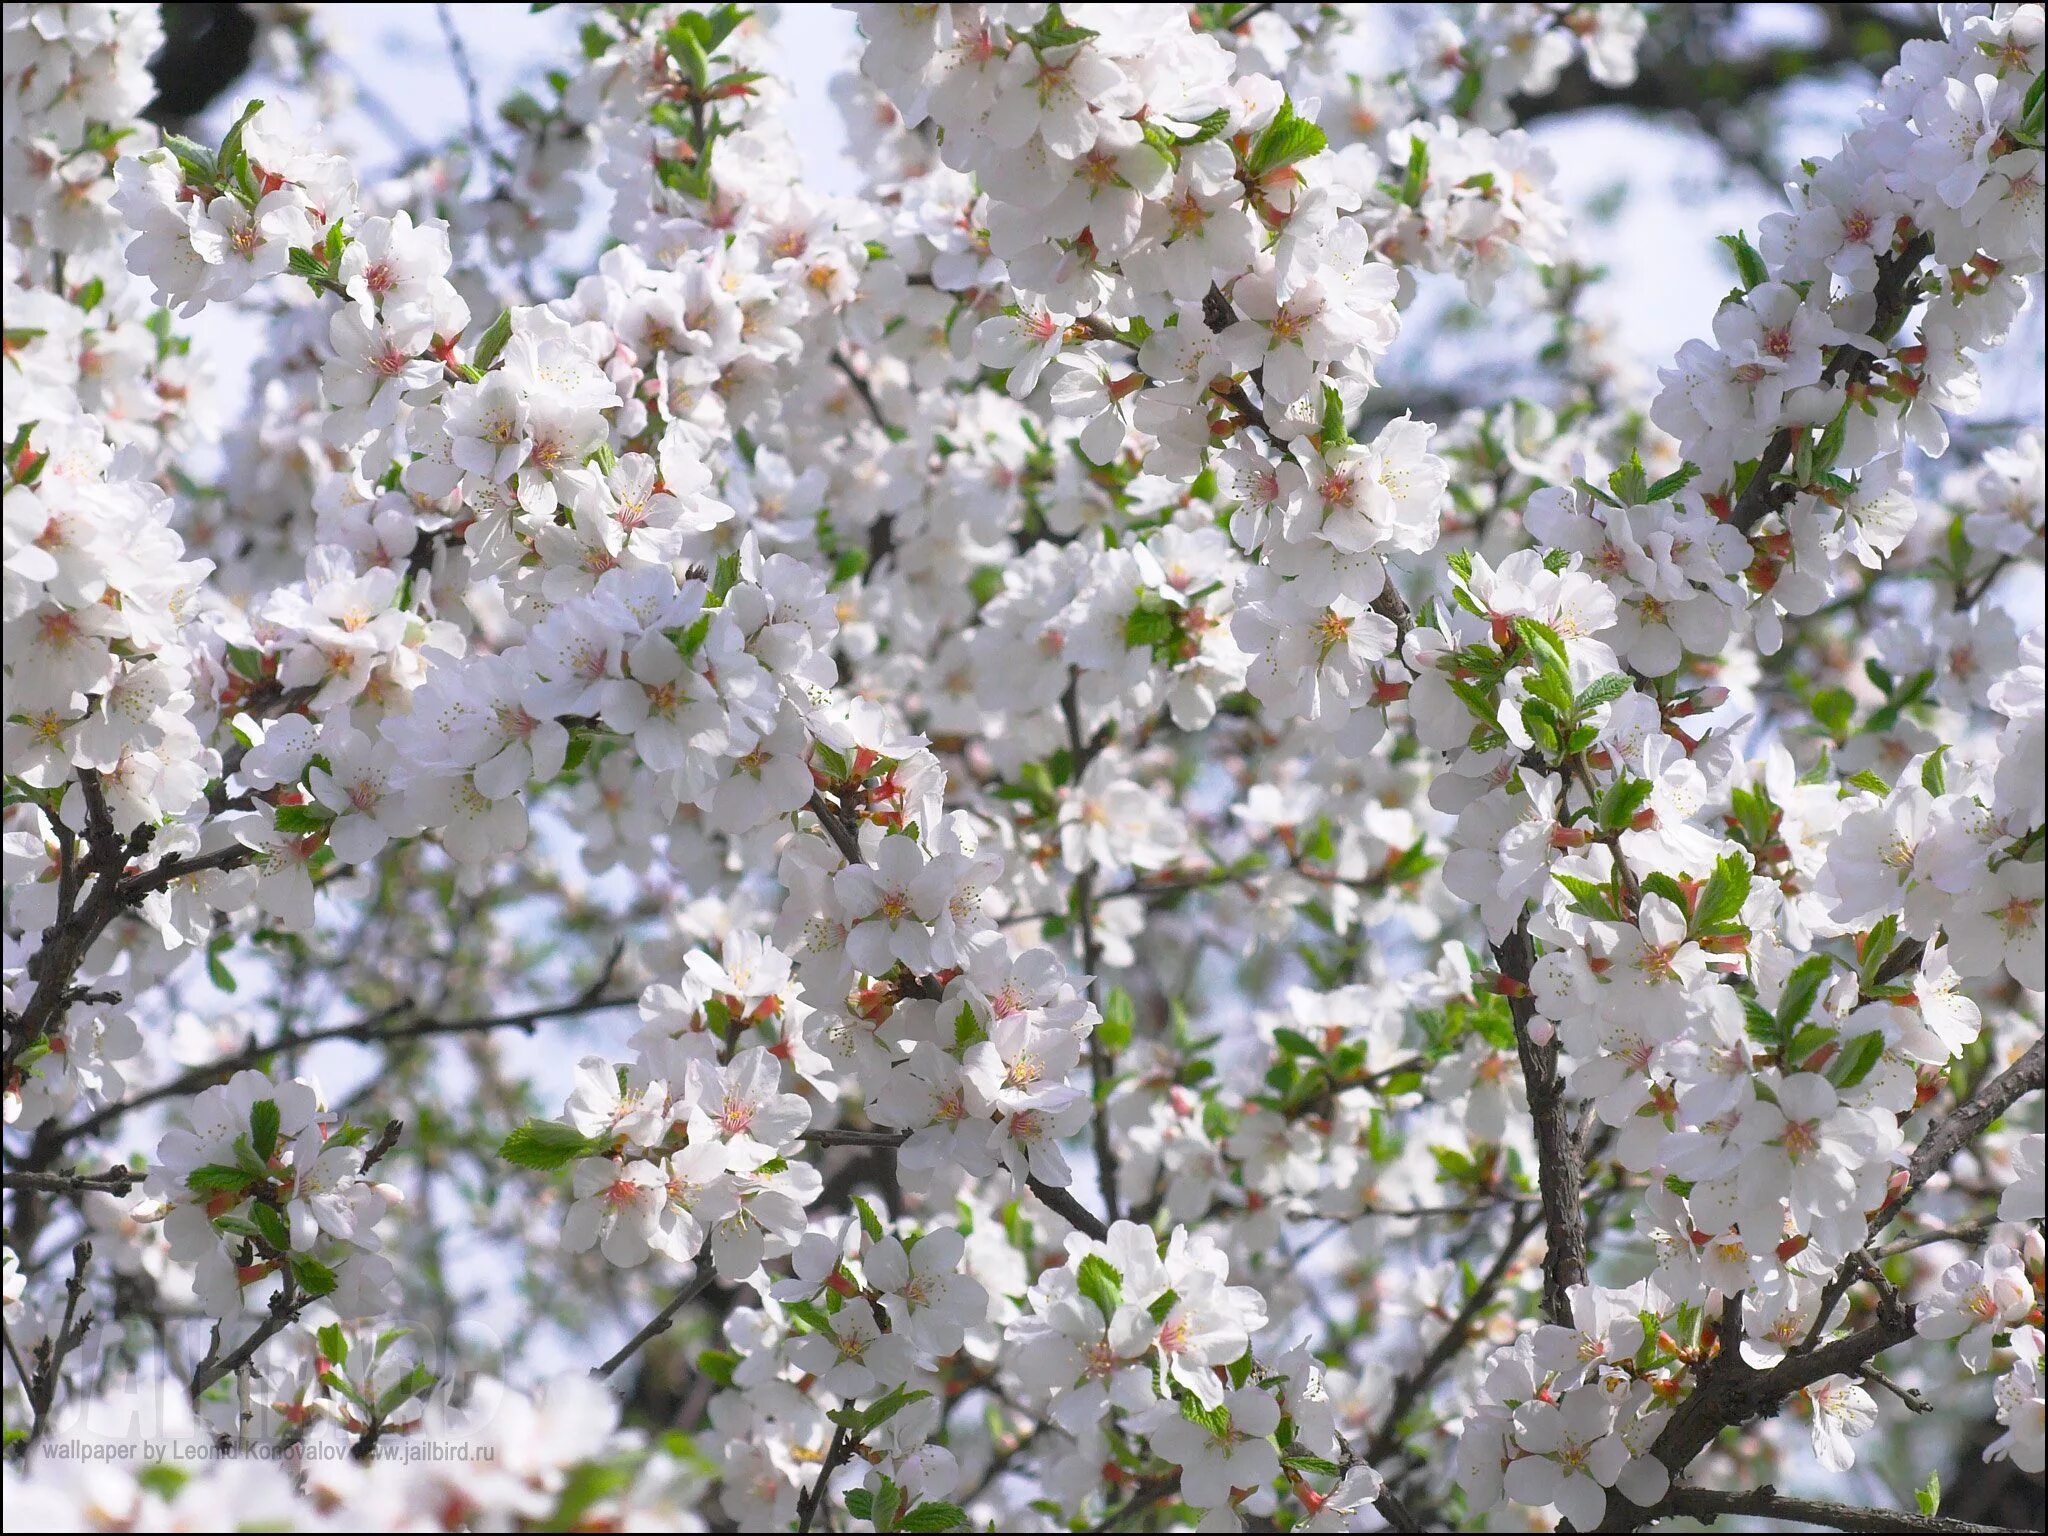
(1768, 1504)
(662, 1321)
(1558, 1170)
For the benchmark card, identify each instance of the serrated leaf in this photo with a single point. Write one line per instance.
(1119, 1019)
(263, 1124)
(1801, 988)
(1288, 138)
(1320, 1465)
(492, 342)
(1725, 892)
(272, 1226)
(1602, 690)
(547, 1145)
(1416, 176)
(932, 1515)
(1749, 264)
(1673, 483)
(1099, 1281)
(1620, 801)
(1928, 1494)
(314, 1278)
(302, 820)
(218, 1179)
(1857, 1059)
(870, 1223)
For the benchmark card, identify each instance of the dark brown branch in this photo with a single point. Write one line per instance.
(50, 1354)
(842, 1447)
(285, 1307)
(1558, 1172)
(663, 1320)
(1963, 1125)
(1768, 1504)
(1100, 1069)
(1408, 1391)
(115, 1181)
(374, 1030)
(1063, 1205)
(1733, 1392)
(1897, 292)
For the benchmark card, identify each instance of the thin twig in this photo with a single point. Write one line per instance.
(1767, 1503)
(662, 1321)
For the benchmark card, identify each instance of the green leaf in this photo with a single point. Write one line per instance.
(1206, 128)
(1856, 1060)
(1285, 140)
(412, 1384)
(263, 1123)
(303, 820)
(1466, 96)
(246, 662)
(1119, 1019)
(1749, 264)
(272, 1226)
(1216, 1420)
(1829, 448)
(1801, 988)
(718, 1365)
(887, 1408)
(1620, 802)
(1546, 648)
(1055, 31)
(1602, 691)
(725, 577)
(1416, 177)
(1833, 710)
(547, 1144)
(1101, 1282)
(1588, 896)
(333, 1344)
(492, 342)
(1321, 1465)
(1877, 945)
(217, 1179)
(1672, 483)
(1147, 627)
(1928, 1495)
(1934, 771)
(195, 161)
(967, 1028)
(314, 1278)
(585, 1487)
(870, 1223)
(1725, 892)
(1631, 482)
(1295, 1043)
(932, 1515)
(216, 968)
(1335, 432)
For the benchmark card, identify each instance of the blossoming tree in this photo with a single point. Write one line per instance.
(914, 862)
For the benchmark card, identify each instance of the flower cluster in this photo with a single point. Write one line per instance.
(972, 800)
(261, 1183)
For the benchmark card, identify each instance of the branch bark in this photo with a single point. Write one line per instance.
(1768, 1504)
(1558, 1170)
(662, 1321)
